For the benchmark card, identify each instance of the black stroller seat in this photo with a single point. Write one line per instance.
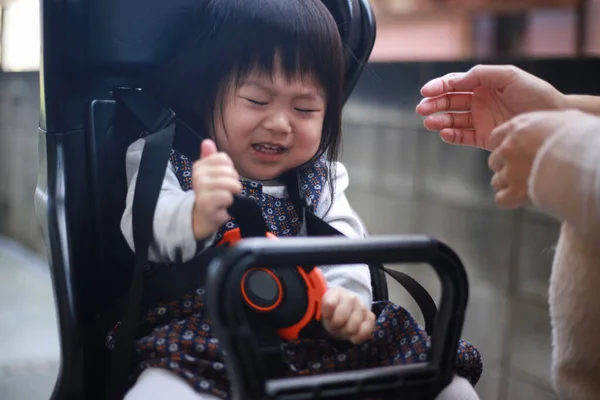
(90, 50)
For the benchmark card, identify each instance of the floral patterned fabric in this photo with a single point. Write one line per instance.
(181, 338)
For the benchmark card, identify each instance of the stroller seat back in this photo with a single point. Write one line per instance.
(89, 47)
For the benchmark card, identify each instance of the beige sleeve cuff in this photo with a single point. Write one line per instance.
(564, 179)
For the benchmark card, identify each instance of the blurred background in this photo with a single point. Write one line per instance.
(403, 178)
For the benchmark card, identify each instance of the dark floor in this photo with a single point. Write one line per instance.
(29, 351)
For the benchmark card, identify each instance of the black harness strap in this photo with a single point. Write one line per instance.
(166, 284)
(423, 299)
(148, 184)
(148, 111)
(248, 216)
(185, 278)
(315, 226)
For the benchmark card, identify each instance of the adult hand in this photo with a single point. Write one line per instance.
(517, 144)
(474, 103)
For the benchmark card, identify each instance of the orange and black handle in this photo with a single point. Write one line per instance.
(254, 363)
(288, 298)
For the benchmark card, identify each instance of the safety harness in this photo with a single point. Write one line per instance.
(284, 302)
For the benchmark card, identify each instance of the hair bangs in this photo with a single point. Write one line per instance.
(298, 37)
(231, 39)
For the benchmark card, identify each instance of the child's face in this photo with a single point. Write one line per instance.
(270, 125)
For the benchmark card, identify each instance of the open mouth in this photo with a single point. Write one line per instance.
(269, 148)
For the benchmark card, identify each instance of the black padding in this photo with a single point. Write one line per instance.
(89, 47)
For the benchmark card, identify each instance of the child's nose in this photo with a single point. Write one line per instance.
(278, 122)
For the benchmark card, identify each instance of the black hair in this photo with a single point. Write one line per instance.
(231, 38)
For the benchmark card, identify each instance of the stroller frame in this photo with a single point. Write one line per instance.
(88, 50)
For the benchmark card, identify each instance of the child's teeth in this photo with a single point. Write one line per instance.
(268, 148)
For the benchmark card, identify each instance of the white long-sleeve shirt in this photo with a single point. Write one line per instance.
(174, 239)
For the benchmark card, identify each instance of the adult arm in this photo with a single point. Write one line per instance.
(565, 177)
(565, 181)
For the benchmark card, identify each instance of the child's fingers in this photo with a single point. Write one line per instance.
(207, 148)
(365, 330)
(215, 159)
(354, 322)
(218, 171)
(342, 313)
(330, 301)
(346, 317)
(221, 199)
(211, 202)
(220, 217)
(203, 184)
(207, 218)
(231, 185)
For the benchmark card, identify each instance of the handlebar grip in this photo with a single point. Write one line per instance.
(247, 375)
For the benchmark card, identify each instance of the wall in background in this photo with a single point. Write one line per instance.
(403, 180)
(549, 33)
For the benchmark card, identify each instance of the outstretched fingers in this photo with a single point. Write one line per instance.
(479, 75)
(445, 102)
(445, 84)
(449, 120)
(461, 137)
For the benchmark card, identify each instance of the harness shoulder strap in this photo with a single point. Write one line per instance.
(318, 227)
(148, 111)
(142, 293)
(248, 216)
(152, 170)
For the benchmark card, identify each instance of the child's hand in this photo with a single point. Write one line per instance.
(346, 317)
(215, 181)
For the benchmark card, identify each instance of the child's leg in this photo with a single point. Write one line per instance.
(458, 389)
(160, 384)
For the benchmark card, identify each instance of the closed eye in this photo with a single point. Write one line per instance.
(305, 111)
(258, 103)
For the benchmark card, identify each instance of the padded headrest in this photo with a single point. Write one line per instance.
(347, 14)
(126, 35)
(85, 41)
(131, 34)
